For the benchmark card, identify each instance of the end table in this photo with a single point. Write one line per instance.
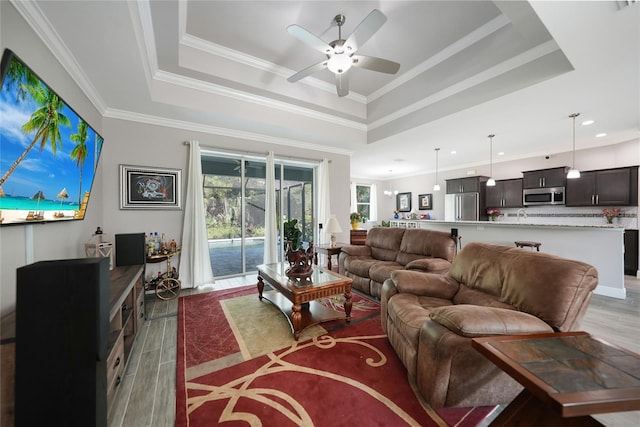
(330, 251)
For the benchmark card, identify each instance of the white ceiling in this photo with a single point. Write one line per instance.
(468, 69)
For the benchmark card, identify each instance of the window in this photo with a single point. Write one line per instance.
(364, 200)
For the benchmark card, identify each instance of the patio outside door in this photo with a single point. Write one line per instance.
(234, 195)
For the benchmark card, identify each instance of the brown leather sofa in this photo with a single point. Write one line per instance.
(430, 319)
(389, 249)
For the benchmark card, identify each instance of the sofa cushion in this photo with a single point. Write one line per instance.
(408, 312)
(359, 266)
(384, 242)
(475, 297)
(421, 243)
(477, 321)
(381, 270)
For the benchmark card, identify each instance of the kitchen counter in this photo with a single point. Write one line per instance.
(599, 245)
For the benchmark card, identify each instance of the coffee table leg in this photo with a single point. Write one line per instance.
(260, 287)
(347, 304)
(296, 319)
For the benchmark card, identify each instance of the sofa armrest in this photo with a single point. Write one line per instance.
(430, 265)
(356, 250)
(424, 284)
(478, 321)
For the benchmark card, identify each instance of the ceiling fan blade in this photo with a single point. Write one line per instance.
(307, 71)
(365, 30)
(375, 64)
(310, 39)
(342, 84)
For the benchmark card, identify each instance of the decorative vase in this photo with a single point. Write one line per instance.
(354, 224)
(396, 216)
(609, 219)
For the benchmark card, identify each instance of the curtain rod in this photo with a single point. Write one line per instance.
(250, 153)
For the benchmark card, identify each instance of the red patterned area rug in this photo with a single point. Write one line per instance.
(238, 365)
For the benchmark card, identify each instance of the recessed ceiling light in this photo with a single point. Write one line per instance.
(588, 122)
(600, 135)
(453, 151)
(501, 153)
(398, 160)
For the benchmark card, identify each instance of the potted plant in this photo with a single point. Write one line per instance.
(355, 218)
(292, 234)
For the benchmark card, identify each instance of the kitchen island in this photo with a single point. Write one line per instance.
(602, 246)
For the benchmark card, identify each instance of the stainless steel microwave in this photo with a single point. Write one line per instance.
(543, 196)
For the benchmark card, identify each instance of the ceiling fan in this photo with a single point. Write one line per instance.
(341, 54)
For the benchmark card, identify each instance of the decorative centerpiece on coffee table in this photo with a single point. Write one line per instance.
(300, 261)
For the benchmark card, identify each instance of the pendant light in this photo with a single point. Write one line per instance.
(491, 182)
(573, 172)
(436, 187)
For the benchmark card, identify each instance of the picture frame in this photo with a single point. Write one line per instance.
(425, 202)
(144, 187)
(403, 202)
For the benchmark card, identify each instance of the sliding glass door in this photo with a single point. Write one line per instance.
(234, 195)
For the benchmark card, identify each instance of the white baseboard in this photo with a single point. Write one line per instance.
(608, 291)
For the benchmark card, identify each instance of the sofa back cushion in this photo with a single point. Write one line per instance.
(384, 242)
(419, 243)
(555, 289)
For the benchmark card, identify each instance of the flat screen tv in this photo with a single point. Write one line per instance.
(48, 153)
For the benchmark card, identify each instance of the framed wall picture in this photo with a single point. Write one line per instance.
(403, 202)
(150, 188)
(425, 202)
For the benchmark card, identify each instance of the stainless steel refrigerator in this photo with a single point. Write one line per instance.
(462, 207)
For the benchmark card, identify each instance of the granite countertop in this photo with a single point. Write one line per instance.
(518, 224)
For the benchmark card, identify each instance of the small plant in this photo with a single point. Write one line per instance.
(292, 233)
(494, 213)
(355, 217)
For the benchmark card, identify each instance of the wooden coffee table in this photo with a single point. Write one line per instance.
(296, 298)
(567, 376)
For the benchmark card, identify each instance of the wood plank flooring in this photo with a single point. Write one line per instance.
(147, 392)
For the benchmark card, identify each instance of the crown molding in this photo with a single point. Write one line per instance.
(216, 130)
(199, 85)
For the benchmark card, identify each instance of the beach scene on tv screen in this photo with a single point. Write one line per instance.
(48, 154)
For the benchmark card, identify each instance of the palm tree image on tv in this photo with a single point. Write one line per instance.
(33, 115)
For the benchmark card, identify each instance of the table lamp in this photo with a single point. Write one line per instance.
(333, 227)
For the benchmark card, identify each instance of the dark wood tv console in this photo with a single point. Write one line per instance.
(85, 320)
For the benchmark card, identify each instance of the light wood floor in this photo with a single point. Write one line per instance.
(147, 392)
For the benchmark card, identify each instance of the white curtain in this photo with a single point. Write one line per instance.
(373, 202)
(270, 214)
(354, 200)
(324, 201)
(195, 246)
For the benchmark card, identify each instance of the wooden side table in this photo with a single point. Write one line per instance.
(358, 236)
(566, 377)
(330, 251)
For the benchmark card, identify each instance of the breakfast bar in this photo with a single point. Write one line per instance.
(599, 245)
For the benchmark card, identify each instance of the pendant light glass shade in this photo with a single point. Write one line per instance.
(491, 182)
(436, 187)
(573, 172)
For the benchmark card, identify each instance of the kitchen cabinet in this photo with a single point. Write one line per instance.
(607, 187)
(465, 185)
(545, 178)
(507, 193)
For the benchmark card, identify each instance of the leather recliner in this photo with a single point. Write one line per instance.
(490, 290)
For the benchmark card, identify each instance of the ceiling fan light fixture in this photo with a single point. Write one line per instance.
(339, 63)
